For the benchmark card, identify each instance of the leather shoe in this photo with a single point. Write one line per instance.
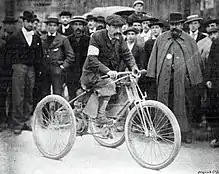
(17, 131)
(104, 120)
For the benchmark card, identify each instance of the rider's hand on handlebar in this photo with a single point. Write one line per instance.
(112, 74)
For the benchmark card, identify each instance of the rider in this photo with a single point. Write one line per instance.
(106, 51)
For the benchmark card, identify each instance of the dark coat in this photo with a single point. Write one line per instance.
(212, 73)
(68, 32)
(2, 54)
(18, 50)
(200, 36)
(80, 49)
(104, 55)
(148, 49)
(139, 55)
(58, 53)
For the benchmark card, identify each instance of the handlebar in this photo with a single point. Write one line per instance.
(135, 73)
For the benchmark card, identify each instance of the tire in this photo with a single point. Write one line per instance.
(138, 132)
(47, 120)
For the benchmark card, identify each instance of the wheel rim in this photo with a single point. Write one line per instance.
(152, 147)
(53, 128)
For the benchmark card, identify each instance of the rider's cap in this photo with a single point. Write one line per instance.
(115, 20)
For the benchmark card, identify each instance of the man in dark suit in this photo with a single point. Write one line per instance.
(24, 49)
(3, 87)
(79, 42)
(106, 50)
(58, 56)
(194, 24)
(65, 27)
(149, 84)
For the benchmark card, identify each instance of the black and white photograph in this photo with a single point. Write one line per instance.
(109, 86)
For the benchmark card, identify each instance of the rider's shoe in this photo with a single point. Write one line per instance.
(104, 120)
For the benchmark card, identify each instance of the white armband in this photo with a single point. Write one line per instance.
(93, 51)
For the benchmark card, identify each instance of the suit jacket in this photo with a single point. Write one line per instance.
(58, 53)
(200, 36)
(148, 49)
(212, 73)
(109, 56)
(139, 55)
(80, 49)
(18, 50)
(68, 31)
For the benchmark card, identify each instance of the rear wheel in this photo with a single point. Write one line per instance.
(54, 127)
(153, 145)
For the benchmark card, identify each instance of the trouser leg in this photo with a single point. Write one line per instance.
(18, 86)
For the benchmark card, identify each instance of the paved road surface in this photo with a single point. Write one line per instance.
(19, 155)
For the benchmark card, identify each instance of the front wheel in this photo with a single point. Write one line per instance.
(54, 127)
(152, 134)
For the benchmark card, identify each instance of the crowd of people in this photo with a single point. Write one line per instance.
(73, 52)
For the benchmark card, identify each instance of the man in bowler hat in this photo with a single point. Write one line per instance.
(175, 65)
(65, 27)
(24, 50)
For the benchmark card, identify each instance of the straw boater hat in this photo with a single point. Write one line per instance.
(79, 19)
(192, 18)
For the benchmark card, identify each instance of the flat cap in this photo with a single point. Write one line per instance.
(130, 29)
(115, 20)
(65, 13)
(138, 2)
(213, 30)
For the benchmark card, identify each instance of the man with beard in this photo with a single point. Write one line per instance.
(24, 50)
(65, 18)
(79, 42)
(106, 50)
(175, 64)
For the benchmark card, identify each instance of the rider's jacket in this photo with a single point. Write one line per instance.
(105, 54)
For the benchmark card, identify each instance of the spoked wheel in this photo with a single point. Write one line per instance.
(109, 135)
(153, 145)
(54, 127)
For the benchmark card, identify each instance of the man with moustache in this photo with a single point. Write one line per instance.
(106, 50)
(175, 65)
(24, 50)
(79, 42)
(58, 56)
(65, 28)
(91, 25)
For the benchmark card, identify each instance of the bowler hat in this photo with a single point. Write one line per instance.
(52, 20)
(78, 19)
(65, 13)
(176, 17)
(28, 16)
(9, 19)
(115, 20)
(155, 21)
(130, 29)
(213, 30)
(101, 19)
(210, 21)
(138, 2)
(192, 18)
(91, 17)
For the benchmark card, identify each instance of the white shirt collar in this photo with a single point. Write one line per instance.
(24, 30)
(193, 33)
(54, 34)
(130, 45)
(66, 27)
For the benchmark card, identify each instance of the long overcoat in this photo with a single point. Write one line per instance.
(192, 68)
